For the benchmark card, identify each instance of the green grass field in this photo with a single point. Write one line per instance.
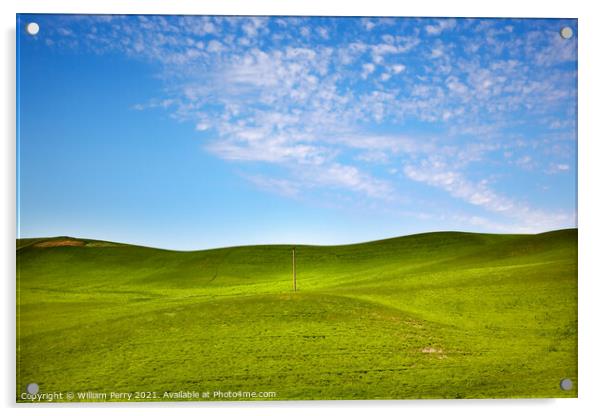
(437, 315)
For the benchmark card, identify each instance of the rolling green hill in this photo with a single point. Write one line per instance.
(437, 315)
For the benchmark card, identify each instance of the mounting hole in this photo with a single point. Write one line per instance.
(566, 384)
(33, 388)
(566, 32)
(32, 28)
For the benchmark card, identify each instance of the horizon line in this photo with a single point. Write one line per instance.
(576, 228)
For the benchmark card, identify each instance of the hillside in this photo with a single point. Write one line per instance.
(433, 315)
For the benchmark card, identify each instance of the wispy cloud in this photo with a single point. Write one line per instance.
(440, 26)
(331, 107)
(525, 218)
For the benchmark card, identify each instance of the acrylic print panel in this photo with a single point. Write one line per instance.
(295, 208)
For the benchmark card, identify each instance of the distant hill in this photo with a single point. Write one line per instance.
(444, 314)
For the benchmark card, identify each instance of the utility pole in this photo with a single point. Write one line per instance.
(294, 272)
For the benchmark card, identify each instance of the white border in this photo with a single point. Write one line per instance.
(590, 207)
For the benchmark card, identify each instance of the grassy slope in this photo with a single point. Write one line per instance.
(430, 315)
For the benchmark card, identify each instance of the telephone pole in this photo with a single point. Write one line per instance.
(294, 272)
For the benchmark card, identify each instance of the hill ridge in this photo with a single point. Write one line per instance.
(32, 241)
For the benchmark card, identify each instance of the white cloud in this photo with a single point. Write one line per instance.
(458, 186)
(208, 27)
(253, 146)
(525, 162)
(393, 45)
(254, 25)
(391, 144)
(368, 24)
(398, 68)
(436, 53)
(436, 173)
(296, 103)
(305, 31)
(440, 26)
(335, 175)
(367, 69)
(215, 46)
(456, 86)
(374, 156)
(384, 48)
(323, 32)
(351, 177)
(554, 168)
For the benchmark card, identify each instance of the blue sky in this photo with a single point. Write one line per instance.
(191, 132)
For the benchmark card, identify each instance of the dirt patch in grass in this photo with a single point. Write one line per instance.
(60, 243)
(437, 351)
